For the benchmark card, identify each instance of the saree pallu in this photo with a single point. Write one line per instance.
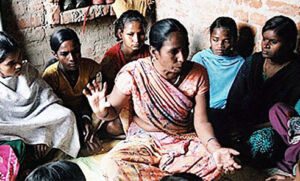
(148, 155)
(152, 155)
(158, 103)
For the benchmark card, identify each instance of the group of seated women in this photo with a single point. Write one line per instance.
(178, 116)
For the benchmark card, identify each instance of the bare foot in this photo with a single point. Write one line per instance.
(40, 150)
(91, 147)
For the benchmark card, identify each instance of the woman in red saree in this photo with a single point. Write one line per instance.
(169, 131)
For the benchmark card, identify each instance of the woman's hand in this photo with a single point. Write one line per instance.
(224, 158)
(94, 146)
(88, 131)
(95, 92)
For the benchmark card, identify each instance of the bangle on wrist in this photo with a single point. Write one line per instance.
(209, 140)
(85, 116)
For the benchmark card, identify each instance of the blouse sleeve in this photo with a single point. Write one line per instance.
(124, 81)
(52, 79)
(203, 84)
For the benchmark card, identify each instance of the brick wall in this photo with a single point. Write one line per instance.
(27, 21)
(197, 15)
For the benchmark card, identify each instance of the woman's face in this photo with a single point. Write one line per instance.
(133, 36)
(273, 46)
(221, 41)
(69, 55)
(173, 53)
(11, 66)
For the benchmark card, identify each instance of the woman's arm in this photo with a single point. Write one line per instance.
(224, 157)
(105, 107)
(202, 126)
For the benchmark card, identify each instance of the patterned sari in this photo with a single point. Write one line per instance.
(174, 148)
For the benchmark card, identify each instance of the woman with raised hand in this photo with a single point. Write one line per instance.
(169, 131)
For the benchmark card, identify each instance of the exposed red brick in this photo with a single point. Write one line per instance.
(257, 18)
(255, 3)
(283, 7)
(33, 21)
(36, 20)
(35, 7)
(20, 8)
(22, 23)
(55, 15)
(241, 15)
(88, 51)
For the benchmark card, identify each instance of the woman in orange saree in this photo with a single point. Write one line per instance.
(169, 131)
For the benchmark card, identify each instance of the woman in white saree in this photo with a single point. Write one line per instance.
(29, 110)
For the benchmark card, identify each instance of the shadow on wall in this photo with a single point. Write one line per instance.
(246, 41)
(9, 22)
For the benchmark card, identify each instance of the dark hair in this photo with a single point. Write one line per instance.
(127, 17)
(8, 45)
(284, 27)
(181, 177)
(61, 36)
(57, 171)
(160, 31)
(226, 23)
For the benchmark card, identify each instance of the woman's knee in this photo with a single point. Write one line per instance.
(280, 112)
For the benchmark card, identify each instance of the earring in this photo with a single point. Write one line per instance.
(153, 59)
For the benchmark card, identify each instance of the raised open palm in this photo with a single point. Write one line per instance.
(95, 92)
